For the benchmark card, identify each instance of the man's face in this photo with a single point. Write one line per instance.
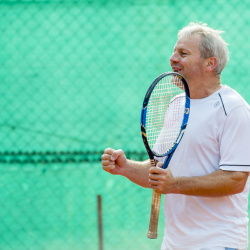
(186, 58)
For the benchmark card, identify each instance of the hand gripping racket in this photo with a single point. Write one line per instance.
(164, 119)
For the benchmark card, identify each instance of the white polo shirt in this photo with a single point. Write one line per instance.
(217, 137)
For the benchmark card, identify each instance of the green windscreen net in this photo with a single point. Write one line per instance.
(73, 77)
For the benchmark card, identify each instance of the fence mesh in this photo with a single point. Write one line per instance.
(73, 76)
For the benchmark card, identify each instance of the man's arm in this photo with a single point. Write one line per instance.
(116, 163)
(218, 183)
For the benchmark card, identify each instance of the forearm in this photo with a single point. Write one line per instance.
(138, 172)
(218, 183)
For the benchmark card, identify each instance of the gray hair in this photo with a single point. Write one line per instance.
(211, 45)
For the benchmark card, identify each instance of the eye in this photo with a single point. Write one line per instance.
(183, 54)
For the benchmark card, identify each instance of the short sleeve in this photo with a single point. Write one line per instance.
(235, 141)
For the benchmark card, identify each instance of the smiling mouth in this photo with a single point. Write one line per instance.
(176, 70)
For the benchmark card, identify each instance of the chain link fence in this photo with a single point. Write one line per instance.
(73, 76)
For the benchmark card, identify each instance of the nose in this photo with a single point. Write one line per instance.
(174, 58)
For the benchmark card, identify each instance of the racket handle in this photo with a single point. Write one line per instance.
(154, 216)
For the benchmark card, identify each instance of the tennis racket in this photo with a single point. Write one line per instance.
(164, 119)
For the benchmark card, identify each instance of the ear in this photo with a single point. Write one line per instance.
(210, 64)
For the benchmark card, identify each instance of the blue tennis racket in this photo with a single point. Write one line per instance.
(164, 118)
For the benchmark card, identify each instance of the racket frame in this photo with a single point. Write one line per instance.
(144, 114)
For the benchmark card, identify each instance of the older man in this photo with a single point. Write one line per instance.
(206, 184)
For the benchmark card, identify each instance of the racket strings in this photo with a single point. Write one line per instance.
(165, 112)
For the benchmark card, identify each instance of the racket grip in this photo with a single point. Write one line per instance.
(154, 215)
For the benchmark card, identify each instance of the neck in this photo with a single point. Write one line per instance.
(204, 88)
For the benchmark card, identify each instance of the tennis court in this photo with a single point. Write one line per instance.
(73, 77)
